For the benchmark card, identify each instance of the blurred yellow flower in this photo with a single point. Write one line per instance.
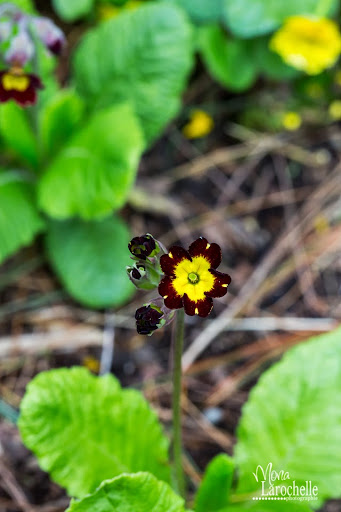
(200, 124)
(334, 110)
(308, 44)
(291, 121)
(91, 363)
(107, 11)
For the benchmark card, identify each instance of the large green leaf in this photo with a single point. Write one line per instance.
(93, 173)
(19, 219)
(90, 260)
(85, 429)
(143, 55)
(293, 420)
(230, 61)
(72, 10)
(201, 11)
(215, 488)
(25, 5)
(248, 18)
(269, 62)
(17, 131)
(139, 492)
(60, 117)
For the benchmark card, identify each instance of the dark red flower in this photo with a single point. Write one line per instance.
(19, 86)
(191, 279)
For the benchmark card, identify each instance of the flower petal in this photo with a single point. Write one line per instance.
(169, 261)
(171, 298)
(211, 252)
(201, 307)
(221, 282)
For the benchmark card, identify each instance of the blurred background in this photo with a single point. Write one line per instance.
(196, 119)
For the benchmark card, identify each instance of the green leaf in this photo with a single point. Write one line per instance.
(25, 5)
(269, 62)
(72, 10)
(85, 429)
(201, 11)
(229, 61)
(140, 492)
(17, 132)
(19, 219)
(293, 420)
(247, 18)
(59, 119)
(215, 488)
(91, 265)
(143, 55)
(93, 173)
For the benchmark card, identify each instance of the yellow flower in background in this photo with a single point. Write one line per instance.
(91, 363)
(107, 11)
(291, 121)
(308, 44)
(200, 124)
(334, 110)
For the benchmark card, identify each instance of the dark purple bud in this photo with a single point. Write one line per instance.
(143, 247)
(21, 50)
(51, 35)
(148, 319)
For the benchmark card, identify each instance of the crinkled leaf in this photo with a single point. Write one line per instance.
(215, 488)
(143, 55)
(61, 115)
(92, 175)
(90, 260)
(230, 61)
(248, 18)
(85, 429)
(201, 11)
(19, 218)
(140, 492)
(17, 132)
(71, 10)
(293, 419)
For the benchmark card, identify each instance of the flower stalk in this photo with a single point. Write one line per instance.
(178, 341)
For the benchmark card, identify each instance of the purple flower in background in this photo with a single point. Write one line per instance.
(21, 50)
(50, 34)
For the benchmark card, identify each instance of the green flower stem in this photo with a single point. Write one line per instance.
(178, 341)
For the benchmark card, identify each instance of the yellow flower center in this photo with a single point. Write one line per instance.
(193, 278)
(12, 81)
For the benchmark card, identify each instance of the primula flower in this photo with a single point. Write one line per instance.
(308, 44)
(200, 124)
(20, 51)
(191, 279)
(19, 86)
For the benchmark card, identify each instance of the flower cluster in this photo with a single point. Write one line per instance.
(19, 34)
(185, 279)
(309, 44)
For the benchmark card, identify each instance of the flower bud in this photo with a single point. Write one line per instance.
(51, 35)
(143, 247)
(148, 319)
(21, 50)
(152, 316)
(143, 276)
